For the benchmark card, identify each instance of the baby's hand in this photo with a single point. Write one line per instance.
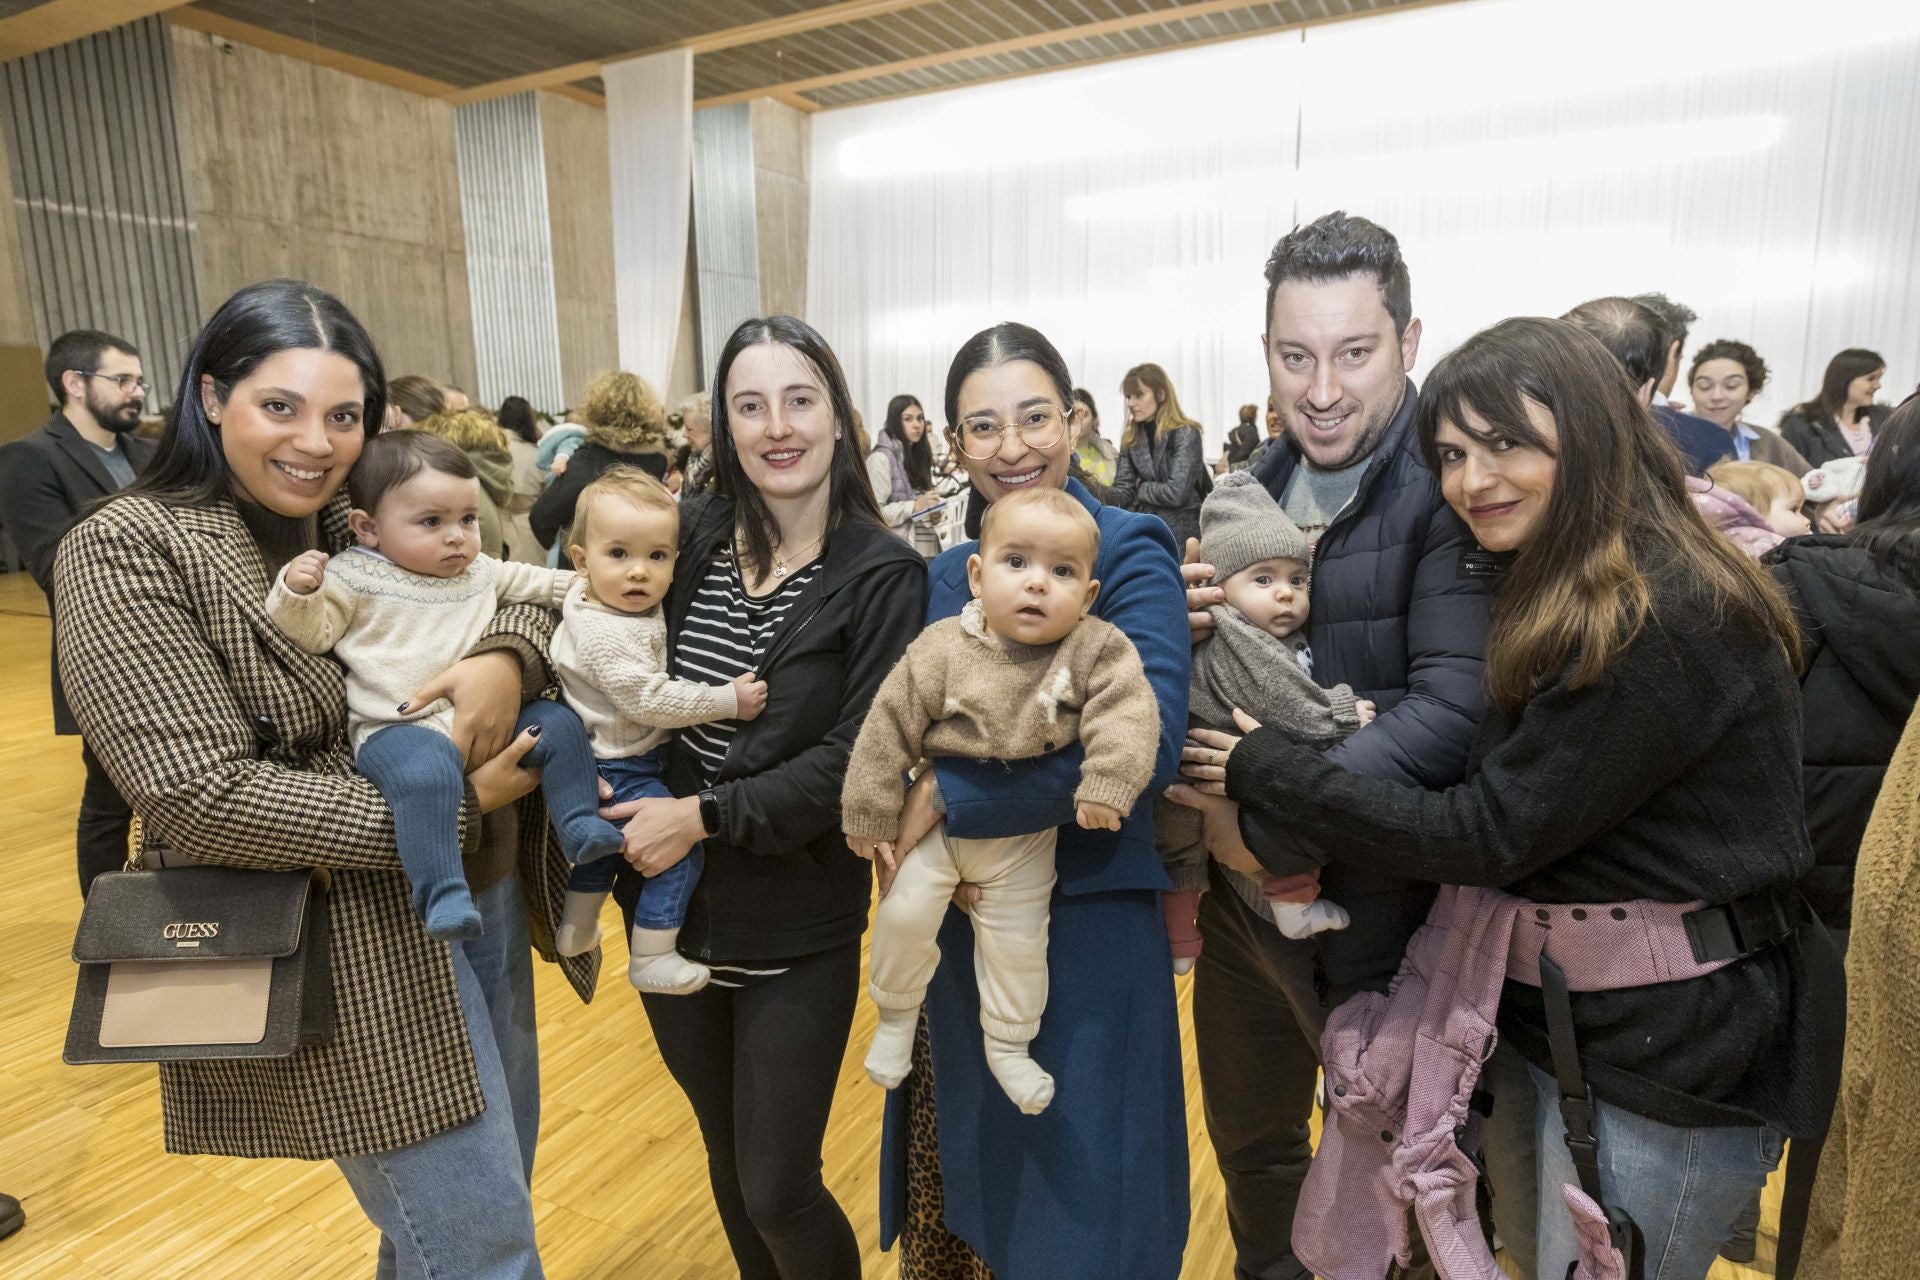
(1095, 816)
(751, 694)
(306, 572)
(1367, 711)
(872, 849)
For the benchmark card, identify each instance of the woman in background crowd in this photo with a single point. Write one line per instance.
(415, 397)
(1857, 598)
(900, 468)
(1094, 456)
(476, 434)
(231, 745)
(1162, 469)
(625, 424)
(1242, 440)
(1841, 421)
(1725, 377)
(786, 571)
(694, 461)
(522, 426)
(1276, 430)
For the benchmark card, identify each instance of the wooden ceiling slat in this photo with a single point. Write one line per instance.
(805, 19)
(35, 26)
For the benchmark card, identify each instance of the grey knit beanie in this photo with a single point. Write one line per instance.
(1241, 524)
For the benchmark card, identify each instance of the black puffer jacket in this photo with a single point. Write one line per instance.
(1860, 624)
(780, 882)
(1395, 616)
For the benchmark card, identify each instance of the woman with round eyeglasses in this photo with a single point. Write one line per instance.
(1111, 1150)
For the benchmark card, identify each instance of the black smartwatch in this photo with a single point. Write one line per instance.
(710, 812)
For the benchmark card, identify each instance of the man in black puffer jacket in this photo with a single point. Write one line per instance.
(1398, 612)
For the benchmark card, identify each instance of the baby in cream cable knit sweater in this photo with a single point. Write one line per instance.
(410, 601)
(1021, 672)
(611, 655)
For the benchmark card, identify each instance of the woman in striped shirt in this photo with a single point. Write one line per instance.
(785, 571)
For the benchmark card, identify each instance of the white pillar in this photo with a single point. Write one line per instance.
(650, 145)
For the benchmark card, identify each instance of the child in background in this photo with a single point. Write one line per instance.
(1022, 672)
(407, 603)
(1774, 492)
(610, 652)
(1833, 493)
(1255, 659)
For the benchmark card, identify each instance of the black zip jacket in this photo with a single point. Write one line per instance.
(1860, 640)
(780, 882)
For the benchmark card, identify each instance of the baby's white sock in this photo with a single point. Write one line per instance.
(890, 1056)
(658, 969)
(1019, 1075)
(1304, 919)
(579, 929)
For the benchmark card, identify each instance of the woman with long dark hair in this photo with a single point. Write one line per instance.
(900, 468)
(1639, 747)
(517, 419)
(1162, 469)
(1096, 1186)
(230, 743)
(1857, 596)
(1842, 420)
(785, 571)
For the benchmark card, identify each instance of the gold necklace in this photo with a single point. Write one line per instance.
(780, 569)
(780, 563)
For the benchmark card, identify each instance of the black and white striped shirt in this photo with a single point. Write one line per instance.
(725, 634)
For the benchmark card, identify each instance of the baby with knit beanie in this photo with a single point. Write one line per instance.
(1255, 659)
(1022, 672)
(413, 598)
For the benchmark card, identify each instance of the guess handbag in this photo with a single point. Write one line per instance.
(201, 962)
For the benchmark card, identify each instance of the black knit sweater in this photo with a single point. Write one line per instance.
(1674, 777)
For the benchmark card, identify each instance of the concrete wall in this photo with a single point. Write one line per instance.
(781, 136)
(16, 313)
(580, 213)
(298, 170)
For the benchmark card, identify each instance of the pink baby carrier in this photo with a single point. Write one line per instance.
(1401, 1128)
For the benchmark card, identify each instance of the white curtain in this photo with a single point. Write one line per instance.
(650, 143)
(1754, 160)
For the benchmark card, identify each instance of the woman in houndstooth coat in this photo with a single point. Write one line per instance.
(231, 745)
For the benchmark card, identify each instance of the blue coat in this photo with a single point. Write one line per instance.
(1096, 1186)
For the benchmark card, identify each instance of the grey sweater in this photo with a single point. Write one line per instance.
(1268, 678)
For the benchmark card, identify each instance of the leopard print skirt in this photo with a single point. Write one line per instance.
(928, 1251)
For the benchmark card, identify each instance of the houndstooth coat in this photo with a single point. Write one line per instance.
(230, 743)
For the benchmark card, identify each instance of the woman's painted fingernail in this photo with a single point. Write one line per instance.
(534, 732)
(402, 708)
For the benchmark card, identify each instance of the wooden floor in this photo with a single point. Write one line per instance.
(620, 1188)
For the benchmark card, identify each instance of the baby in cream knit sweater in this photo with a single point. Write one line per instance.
(610, 652)
(410, 601)
(1022, 671)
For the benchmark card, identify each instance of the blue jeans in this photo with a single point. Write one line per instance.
(663, 898)
(419, 772)
(457, 1203)
(1683, 1187)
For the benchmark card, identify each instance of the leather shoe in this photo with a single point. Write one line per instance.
(12, 1216)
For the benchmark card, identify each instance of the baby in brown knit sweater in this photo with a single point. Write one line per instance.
(1021, 672)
